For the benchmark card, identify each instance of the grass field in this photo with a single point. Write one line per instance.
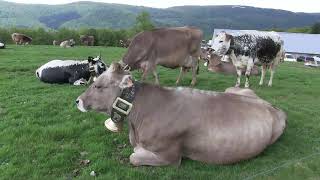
(44, 136)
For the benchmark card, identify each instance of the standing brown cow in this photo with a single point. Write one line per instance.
(21, 39)
(168, 47)
(87, 40)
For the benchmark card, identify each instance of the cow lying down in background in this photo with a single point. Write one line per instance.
(215, 64)
(71, 71)
(166, 124)
(2, 45)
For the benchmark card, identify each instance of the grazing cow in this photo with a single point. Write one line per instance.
(248, 48)
(168, 47)
(68, 43)
(166, 124)
(215, 64)
(87, 40)
(2, 45)
(70, 71)
(21, 39)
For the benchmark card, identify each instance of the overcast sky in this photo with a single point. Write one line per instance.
(291, 5)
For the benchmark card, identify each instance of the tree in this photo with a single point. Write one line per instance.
(315, 29)
(143, 22)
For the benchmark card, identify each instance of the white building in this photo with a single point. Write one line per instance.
(296, 44)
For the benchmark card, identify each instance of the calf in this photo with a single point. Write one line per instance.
(21, 39)
(168, 47)
(166, 124)
(68, 43)
(248, 48)
(70, 71)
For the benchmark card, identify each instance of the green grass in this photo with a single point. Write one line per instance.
(42, 134)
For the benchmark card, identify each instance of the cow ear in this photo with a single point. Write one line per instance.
(229, 37)
(126, 82)
(90, 59)
(115, 67)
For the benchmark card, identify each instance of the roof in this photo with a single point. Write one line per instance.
(293, 42)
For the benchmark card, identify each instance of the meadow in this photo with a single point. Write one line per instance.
(44, 136)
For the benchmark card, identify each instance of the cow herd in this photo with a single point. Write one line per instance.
(169, 123)
(22, 39)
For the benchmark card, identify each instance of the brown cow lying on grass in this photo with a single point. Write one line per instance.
(166, 124)
(216, 65)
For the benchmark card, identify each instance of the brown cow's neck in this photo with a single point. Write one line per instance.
(147, 100)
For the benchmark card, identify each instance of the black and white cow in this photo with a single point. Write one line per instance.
(2, 45)
(248, 48)
(71, 71)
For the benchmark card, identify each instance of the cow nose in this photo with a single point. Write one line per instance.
(77, 101)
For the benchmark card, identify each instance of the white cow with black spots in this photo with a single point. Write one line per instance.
(248, 48)
(71, 71)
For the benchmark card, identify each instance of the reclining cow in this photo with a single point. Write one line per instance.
(21, 39)
(248, 48)
(168, 47)
(68, 43)
(70, 71)
(87, 40)
(166, 124)
(215, 64)
(2, 45)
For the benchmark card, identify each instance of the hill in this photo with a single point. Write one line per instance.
(104, 15)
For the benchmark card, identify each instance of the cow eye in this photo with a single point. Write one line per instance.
(220, 41)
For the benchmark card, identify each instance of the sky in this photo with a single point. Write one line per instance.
(291, 5)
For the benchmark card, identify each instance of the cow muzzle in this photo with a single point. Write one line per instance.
(80, 106)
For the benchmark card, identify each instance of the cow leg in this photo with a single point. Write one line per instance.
(248, 71)
(144, 73)
(156, 77)
(263, 73)
(272, 67)
(239, 72)
(194, 71)
(183, 70)
(142, 156)
(80, 82)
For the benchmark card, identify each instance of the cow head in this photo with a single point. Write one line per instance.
(222, 43)
(72, 42)
(103, 92)
(98, 65)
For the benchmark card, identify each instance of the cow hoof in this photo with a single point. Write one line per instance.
(270, 85)
(114, 127)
